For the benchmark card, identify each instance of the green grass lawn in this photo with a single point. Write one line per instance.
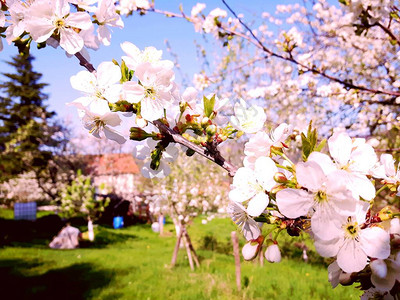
(133, 263)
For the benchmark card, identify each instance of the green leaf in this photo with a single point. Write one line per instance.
(209, 106)
(309, 142)
(321, 145)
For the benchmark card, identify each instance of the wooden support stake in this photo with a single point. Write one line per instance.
(189, 254)
(175, 254)
(195, 257)
(235, 242)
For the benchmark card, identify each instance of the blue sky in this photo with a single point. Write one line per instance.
(149, 30)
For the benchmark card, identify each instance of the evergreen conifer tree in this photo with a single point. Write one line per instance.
(25, 123)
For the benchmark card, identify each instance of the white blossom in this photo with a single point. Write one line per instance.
(248, 120)
(48, 18)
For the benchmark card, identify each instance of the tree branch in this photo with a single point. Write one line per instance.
(257, 42)
(388, 32)
(214, 156)
(291, 59)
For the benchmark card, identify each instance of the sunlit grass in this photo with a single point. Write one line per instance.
(134, 263)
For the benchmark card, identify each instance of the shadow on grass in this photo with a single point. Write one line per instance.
(39, 233)
(24, 233)
(106, 237)
(78, 281)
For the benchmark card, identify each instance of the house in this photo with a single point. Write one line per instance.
(115, 173)
(117, 177)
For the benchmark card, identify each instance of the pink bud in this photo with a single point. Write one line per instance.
(280, 177)
(250, 250)
(273, 254)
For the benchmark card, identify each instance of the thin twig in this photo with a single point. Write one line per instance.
(389, 32)
(85, 63)
(291, 59)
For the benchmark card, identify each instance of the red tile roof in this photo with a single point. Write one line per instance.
(111, 164)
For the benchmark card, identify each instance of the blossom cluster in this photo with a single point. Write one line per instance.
(329, 196)
(71, 24)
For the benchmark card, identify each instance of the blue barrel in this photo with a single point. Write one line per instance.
(118, 222)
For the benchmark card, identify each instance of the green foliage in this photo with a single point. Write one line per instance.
(26, 132)
(78, 198)
(309, 142)
(126, 74)
(209, 106)
(209, 242)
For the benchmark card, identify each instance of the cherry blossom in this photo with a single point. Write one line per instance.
(154, 92)
(44, 20)
(327, 195)
(100, 122)
(99, 88)
(357, 158)
(260, 144)
(248, 226)
(251, 185)
(352, 245)
(385, 272)
(107, 16)
(250, 120)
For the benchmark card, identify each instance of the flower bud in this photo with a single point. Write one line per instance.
(280, 177)
(139, 134)
(273, 254)
(205, 122)
(250, 250)
(211, 130)
(395, 226)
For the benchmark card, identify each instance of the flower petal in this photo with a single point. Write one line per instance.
(151, 109)
(264, 171)
(375, 242)
(257, 204)
(340, 146)
(113, 135)
(71, 41)
(294, 203)
(351, 258)
(310, 175)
